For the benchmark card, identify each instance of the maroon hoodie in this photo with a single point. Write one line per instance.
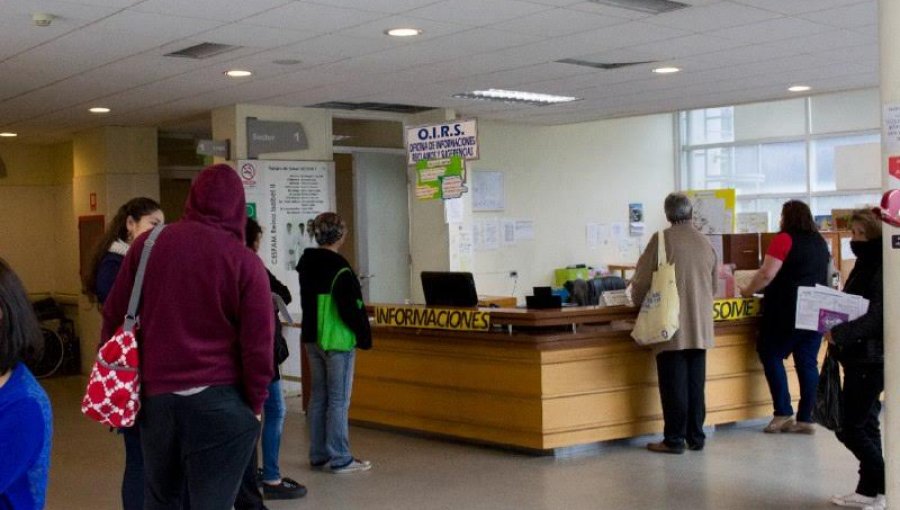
(206, 311)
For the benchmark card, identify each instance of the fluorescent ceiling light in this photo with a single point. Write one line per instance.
(513, 96)
(403, 32)
(799, 88)
(8, 135)
(99, 109)
(666, 70)
(238, 73)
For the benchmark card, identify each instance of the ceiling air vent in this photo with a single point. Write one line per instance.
(203, 50)
(648, 6)
(602, 65)
(374, 107)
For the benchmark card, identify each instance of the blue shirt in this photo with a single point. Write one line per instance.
(26, 427)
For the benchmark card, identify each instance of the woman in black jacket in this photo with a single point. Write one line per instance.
(860, 349)
(324, 271)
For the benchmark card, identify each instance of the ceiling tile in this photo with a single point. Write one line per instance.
(772, 30)
(430, 29)
(218, 10)
(587, 6)
(851, 16)
(313, 18)
(382, 6)
(477, 12)
(792, 7)
(686, 46)
(711, 17)
(156, 27)
(558, 22)
(242, 34)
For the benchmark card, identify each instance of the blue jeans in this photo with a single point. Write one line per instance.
(329, 403)
(804, 346)
(133, 480)
(273, 426)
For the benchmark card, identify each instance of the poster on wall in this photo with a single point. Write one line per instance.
(714, 210)
(487, 190)
(636, 219)
(283, 196)
(440, 179)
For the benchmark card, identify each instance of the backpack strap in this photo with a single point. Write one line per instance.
(131, 319)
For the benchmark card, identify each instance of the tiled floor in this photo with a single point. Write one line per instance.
(741, 468)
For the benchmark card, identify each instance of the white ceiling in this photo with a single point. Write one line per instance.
(109, 53)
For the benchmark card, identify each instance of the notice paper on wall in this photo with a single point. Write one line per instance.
(597, 235)
(491, 235)
(453, 210)
(821, 308)
(890, 130)
(487, 190)
(508, 228)
(524, 230)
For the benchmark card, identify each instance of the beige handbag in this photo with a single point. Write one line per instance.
(657, 321)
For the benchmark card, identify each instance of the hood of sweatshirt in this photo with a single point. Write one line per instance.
(217, 199)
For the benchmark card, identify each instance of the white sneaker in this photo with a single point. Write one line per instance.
(855, 500)
(356, 466)
(880, 503)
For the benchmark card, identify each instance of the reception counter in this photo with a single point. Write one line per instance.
(541, 380)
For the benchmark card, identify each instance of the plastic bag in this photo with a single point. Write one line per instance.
(827, 411)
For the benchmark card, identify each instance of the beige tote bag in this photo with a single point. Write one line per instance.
(658, 319)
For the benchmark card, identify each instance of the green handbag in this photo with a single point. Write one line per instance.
(332, 333)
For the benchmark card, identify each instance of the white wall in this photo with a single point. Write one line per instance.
(563, 178)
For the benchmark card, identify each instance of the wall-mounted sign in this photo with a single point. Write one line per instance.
(266, 136)
(216, 148)
(734, 309)
(92, 201)
(459, 319)
(442, 141)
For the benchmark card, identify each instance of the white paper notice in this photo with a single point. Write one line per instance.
(592, 235)
(487, 190)
(524, 230)
(820, 308)
(618, 230)
(890, 131)
(453, 210)
(509, 232)
(603, 235)
(491, 233)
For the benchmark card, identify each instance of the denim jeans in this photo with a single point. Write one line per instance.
(804, 346)
(329, 403)
(133, 480)
(273, 426)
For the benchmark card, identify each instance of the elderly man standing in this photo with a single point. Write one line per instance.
(681, 362)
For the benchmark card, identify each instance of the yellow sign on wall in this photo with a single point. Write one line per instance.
(734, 309)
(459, 319)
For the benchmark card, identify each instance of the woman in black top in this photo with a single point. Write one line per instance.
(797, 257)
(859, 345)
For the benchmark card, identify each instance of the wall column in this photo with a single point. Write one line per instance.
(889, 17)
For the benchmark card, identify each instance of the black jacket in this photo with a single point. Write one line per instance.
(317, 268)
(861, 341)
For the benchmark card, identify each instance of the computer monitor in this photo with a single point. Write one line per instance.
(447, 288)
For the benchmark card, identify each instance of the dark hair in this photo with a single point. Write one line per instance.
(678, 207)
(19, 328)
(136, 208)
(870, 222)
(252, 231)
(796, 217)
(327, 228)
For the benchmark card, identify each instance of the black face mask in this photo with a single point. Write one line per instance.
(862, 248)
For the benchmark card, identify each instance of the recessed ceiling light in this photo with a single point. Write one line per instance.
(403, 32)
(238, 73)
(99, 109)
(514, 96)
(666, 70)
(799, 88)
(9, 135)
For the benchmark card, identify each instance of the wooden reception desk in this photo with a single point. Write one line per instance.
(542, 379)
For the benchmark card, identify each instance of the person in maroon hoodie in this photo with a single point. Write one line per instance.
(205, 335)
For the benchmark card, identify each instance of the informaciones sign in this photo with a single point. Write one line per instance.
(419, 317)
(442, 141)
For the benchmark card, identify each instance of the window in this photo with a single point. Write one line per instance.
(767, 171)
